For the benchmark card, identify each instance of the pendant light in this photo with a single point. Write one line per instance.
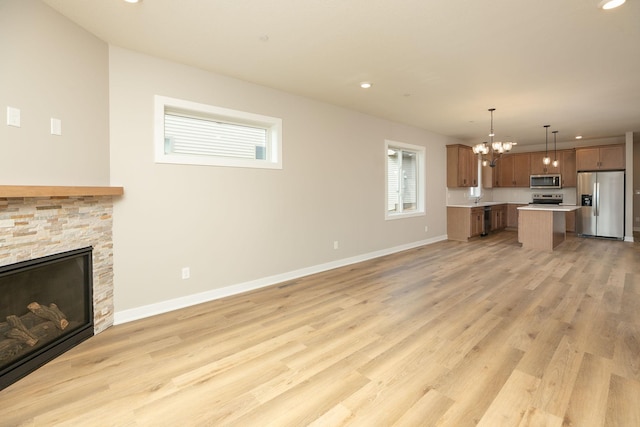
(546, 159)
(555, 150)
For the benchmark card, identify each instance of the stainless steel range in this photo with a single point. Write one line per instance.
(546, 199)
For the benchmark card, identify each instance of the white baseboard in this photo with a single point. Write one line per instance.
(142, 312)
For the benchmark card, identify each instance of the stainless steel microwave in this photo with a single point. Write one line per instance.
(545, 181)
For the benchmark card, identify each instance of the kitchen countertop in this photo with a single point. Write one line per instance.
(552, 208)
(561, 207)
(481, 204)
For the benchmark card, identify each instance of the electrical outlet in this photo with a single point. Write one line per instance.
(186, 272)
(56, 126)
(336, 245)
(426, 228)
(13, 116)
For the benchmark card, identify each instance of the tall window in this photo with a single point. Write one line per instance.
(199, 134)
(405, 180)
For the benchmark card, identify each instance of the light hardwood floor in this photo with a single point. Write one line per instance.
(452, 334)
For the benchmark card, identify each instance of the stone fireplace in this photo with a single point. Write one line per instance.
(38, 222)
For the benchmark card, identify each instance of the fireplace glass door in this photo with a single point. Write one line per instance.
(46, 307)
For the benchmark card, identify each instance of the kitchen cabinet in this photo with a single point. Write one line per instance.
(606, 157)
(477, 222)
(462, 166)
(512, 214)
(514, 170)
(568, 168)
(464, 223)
(539, 168)
(542, 229)
(498, 217)
(570, 220)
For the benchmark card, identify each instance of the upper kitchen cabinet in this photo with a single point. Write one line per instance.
(568, 167)
(539, 168)
(514, 170)
(606, 157)
(462, 166)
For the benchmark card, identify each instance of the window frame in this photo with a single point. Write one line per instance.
(420, 180)
(273, 126)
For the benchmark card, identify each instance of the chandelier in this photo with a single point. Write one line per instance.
(492, 151)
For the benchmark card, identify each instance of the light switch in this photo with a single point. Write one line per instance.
(13, 116)
(56, 126)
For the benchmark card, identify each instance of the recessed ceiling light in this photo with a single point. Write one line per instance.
(133, 1)
(578, 136)
(365, 85)
(610, 4)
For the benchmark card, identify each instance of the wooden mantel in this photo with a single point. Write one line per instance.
(8, 191)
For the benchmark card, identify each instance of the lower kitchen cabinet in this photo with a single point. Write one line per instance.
(512, 214)
(464, 223)
(570, 221)
(498, 217)
(477, 221)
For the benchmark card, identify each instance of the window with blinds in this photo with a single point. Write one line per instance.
(190, 133)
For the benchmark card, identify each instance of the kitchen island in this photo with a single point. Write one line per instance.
(542, 226)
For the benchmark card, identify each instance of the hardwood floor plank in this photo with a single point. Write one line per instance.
(537, 418)
(476, 381)
(623, 405)
(285, 343)
(510, 405)
(384, 401)
(554, 391)
(305, 364)
(426, 411)
(627, 351)
(457, 347)
(566, 309)
(539, 354)
(588, 402)
(336, 416)
(295, 407)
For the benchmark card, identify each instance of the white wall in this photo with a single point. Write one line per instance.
(232, 225)
(50, 67)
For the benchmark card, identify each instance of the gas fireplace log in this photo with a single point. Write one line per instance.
(22, 336)
(55, 308)
(55, 315)
(8, 349)
(16, 324)
(45, 329)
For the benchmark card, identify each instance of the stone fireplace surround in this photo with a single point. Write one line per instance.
(37, 221)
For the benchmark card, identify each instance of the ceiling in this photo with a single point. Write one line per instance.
(438, 65)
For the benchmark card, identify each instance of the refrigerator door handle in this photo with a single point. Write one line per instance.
(596, 188)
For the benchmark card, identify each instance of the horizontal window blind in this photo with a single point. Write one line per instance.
(197, 136)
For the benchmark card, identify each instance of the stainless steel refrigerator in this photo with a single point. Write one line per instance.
(601, 197)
